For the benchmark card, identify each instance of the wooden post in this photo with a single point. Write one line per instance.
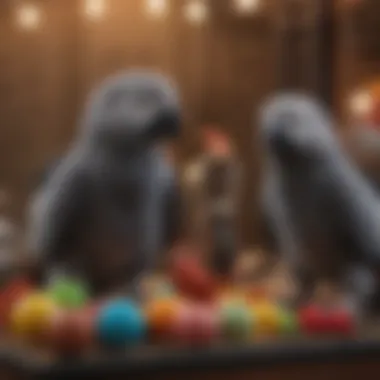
(326, 51)
(288, 46)
(72, 43)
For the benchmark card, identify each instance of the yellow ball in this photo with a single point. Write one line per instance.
(32, 315)
(267, 318)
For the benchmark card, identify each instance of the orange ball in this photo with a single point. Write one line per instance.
(161, 314)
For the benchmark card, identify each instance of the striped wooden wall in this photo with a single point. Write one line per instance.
(224, 69)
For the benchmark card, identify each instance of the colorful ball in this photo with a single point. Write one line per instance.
(161, 315)
(71, 332)
(68, 293)
(196, 325)
(236, 321)
(32, 314)
(15, 290)
(342, 322)
(316, 320)
(288, 322)
(120, 323)
(266, 318)
(313, 320)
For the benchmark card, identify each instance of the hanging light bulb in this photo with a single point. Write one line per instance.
(361, 103)
(94, 9)
(196, 12)
(246, 6)
(156, 8)
(28, 16)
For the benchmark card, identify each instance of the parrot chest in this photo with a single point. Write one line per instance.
(309, 215)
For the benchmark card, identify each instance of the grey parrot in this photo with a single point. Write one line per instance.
(100, 214)
(324, 214)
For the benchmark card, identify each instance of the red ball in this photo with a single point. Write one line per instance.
(192, 279)
(71, 332)
(195, 325)
(12, 292)
(342, 322)
(313, 320)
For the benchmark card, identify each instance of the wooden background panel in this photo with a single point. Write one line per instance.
(224, 69)
(31, 111)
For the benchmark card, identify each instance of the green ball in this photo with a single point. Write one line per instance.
(288, 322)
(68, 293)
(236, 321)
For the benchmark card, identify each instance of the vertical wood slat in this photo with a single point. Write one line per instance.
(223, 68)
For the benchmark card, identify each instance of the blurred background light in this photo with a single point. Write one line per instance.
(94, 9)
(196, 12)
(28, 16)
(246, 6)
(361, 103)
(157, 8)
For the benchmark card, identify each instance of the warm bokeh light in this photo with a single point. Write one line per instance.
(94, 9)
(28, 16)
(246, 6)
(196, 12)
(157, 8)
(361, 103)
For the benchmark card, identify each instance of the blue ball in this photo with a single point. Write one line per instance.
(120, 323)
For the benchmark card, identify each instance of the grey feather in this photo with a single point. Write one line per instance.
(102, 210)
(324, 213)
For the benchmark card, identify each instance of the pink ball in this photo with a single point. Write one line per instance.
(196, 325)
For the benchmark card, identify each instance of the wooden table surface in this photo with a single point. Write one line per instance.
(291, 359)
(269, 360)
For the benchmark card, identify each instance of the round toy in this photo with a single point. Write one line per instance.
(31, 315)
(71, 332)
(161, 314)
(191, 279)
(14, 291)
(196, 325)
(266, 318)
(236, 321)
(120, 323)
(316, 320)
(312, 320)
(342, 322)
(68, 293)
(288, 322)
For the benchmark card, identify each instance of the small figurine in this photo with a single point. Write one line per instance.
(192, 279)
(213, 184)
